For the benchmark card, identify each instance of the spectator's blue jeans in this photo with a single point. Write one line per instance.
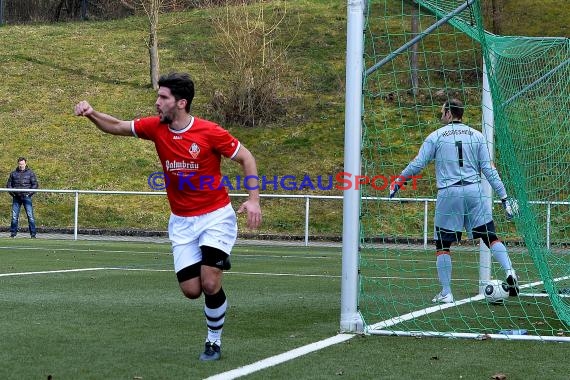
(17, 203)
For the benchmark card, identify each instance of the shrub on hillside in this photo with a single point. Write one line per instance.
(253, 63)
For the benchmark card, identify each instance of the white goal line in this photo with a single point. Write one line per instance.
(281, 358)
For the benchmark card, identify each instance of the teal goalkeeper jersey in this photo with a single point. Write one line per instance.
(461, 155)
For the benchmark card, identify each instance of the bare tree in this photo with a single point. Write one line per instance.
(493, 14)
(249, 38)
(152, 9)
(497, 16)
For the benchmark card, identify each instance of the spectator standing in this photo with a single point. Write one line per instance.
(22, 178)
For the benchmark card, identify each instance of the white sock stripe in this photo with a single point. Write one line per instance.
(216, 313)
(215, 320)
(215, 325)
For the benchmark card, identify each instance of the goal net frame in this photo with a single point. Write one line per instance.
(351, 320)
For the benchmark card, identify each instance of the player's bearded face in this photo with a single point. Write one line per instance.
(165, 118)
(165, 105)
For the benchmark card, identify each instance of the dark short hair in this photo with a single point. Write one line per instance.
(455, 106)
(20, 159)
(181, 86)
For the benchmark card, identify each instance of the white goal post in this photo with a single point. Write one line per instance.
(350, 318)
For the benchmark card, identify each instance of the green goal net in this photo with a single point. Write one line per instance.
(516, 90)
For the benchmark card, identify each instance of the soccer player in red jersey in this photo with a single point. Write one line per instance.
(203, 224)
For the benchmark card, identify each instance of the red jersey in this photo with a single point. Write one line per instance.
(190, 160)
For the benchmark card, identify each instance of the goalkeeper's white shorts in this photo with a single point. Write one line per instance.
(217, 229)
(462, 207)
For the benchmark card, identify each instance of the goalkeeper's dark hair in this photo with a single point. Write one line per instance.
(181, 86)
(455, 106)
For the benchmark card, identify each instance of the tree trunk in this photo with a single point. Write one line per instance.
(497, 15)
(57, 12)
(153, 43)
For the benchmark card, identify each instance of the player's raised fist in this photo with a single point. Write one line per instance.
(83, 108)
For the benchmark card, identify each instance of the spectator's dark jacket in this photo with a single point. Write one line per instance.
(22, 179)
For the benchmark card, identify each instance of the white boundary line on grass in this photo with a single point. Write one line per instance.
(281, 358)
(157, 270)
(51, 271)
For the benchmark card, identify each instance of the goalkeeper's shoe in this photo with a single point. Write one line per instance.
(440, 298)
(211, 352)
(513, 286)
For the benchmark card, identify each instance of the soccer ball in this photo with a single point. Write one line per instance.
(496, 291)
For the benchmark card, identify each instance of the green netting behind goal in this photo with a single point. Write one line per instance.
(528, 90)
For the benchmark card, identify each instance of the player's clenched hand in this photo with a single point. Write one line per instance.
(83, 108)
(253, 213)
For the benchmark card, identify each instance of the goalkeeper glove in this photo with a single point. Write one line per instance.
(511, 207)
(394, 187)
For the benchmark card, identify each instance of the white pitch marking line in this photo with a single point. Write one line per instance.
(228, 273)
(81, 270)
(281, 358)
(282, 274)
(50, 271)
(158, 270)
(87, 250)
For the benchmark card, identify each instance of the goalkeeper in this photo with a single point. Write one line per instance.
(461, 154)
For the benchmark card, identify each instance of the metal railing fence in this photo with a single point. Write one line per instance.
(301, 197)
